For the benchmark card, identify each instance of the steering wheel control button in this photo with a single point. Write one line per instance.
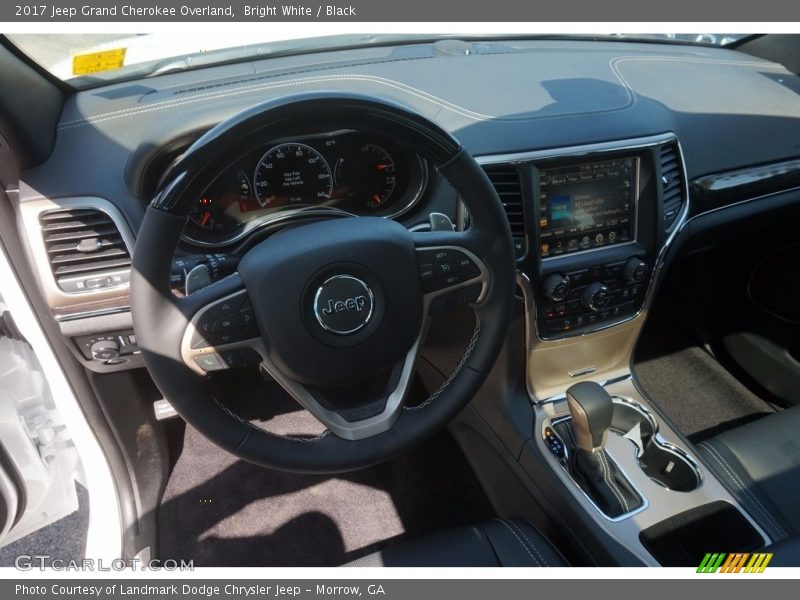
(237, 359)
(226, 323)
(231, 320)
(343, 304)
(426, 272)
(457, 298)
(210, 362)
(445, 267)
(246, 317)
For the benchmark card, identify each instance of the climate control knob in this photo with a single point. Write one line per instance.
(105, 350)
(556, 287)
(635, 270)
(595, 296)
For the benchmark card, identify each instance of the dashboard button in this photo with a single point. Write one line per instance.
(576, 293)
(615, 269)
(556, 287)
(578, 278)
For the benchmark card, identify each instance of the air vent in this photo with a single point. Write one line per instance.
(505, 180)
(85, 249)
(671, 184)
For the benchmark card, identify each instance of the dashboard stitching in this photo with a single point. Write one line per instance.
(416, 92)
(370, 63)
(613, 63)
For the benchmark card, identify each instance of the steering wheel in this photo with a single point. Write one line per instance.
(336, 310)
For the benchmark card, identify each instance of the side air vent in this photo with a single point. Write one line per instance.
(505, 180)
(671, 184)
(85, 249)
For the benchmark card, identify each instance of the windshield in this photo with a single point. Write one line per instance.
(87, 60)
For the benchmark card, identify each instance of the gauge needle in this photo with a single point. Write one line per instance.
(381, 166)
(377, 198)
(206, 218)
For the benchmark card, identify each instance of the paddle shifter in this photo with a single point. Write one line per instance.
(592, 409)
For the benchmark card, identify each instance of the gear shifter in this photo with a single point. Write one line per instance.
(592, 410)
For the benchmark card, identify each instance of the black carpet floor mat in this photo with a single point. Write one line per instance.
(220, 511)
(699, 395)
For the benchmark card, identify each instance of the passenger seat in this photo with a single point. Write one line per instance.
(760, 463)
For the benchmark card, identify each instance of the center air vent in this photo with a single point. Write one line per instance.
(672, 187)
(85, 249)
(505, 180)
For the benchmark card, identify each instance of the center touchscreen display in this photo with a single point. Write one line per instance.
(587, 206)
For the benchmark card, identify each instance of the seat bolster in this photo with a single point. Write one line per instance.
(517, 543)
(498, 543)
(760, 464)
(785, 553)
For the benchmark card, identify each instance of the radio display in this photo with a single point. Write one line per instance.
(587, 206)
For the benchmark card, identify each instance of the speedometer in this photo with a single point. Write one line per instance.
(292, 174)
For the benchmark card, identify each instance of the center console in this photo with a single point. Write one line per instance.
(590, 233)
(592, 226)
(586, 214)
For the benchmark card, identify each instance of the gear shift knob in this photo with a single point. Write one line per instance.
(591, 408)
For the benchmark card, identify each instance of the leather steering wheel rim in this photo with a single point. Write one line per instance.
(161, 319)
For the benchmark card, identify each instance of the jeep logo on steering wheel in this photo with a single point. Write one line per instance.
(343, 304)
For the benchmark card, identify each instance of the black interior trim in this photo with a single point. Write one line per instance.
(30, 107)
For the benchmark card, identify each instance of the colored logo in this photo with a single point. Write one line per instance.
(737, 562)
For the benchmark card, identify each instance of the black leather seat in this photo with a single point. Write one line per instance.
(498, 543)
(760, 464)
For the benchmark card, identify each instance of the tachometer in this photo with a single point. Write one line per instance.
(218, 208)
(292, 174)
(378, 175)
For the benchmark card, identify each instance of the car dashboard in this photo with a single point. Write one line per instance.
(610, 158)
(643, 122)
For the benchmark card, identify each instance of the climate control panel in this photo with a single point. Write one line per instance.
(587, 298)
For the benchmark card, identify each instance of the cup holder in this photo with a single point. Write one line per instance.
(663, 462)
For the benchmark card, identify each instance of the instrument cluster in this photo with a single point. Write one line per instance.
(350, 171)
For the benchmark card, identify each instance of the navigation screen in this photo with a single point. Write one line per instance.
(587, 206)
